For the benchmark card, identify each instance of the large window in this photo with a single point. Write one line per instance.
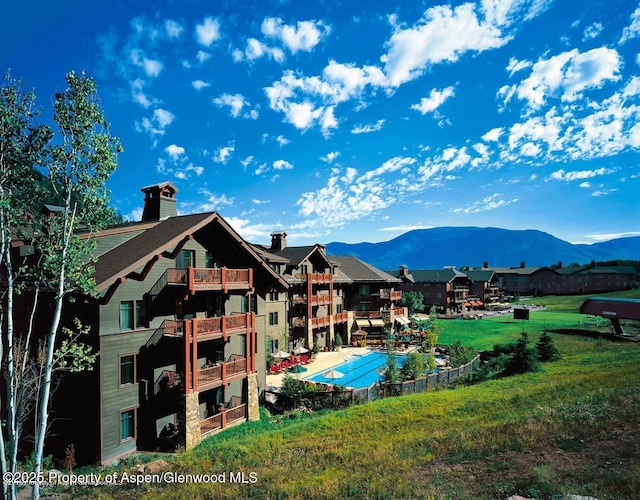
(127, 369)
(133, 312)
(127, 424)
(273, 345)
(249, 304)
(126, 315)
(273, 318)
(186, 258)
(364, 290)
(273, 296)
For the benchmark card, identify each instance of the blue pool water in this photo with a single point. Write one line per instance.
(359, 371)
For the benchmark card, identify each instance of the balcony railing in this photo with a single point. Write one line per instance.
(221, 373)
(205, 328)
(342, 317)
(299, 322)
(368, 314)
(321, 322)
(168, 379)
(320, 300)
(320, 278)
(199, 279)
(234, 411)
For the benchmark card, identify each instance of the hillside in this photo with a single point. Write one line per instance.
(473, 246)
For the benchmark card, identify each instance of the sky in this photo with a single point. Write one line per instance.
(355, 120)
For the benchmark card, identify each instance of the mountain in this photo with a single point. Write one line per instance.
(473, 246)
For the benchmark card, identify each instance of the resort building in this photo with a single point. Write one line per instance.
(180, 327)
(447, 289)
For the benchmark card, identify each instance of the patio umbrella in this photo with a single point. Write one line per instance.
(281, 354)
(333, 374)
(300, 350)
(297, 369)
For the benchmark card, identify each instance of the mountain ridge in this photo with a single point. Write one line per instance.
(474, 246)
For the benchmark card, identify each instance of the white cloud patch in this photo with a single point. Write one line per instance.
(592, 31)
(235, 103)
(633, 30)
(566, 75)
(561, 175)
(434, 101)
(368, 128)
(304, 36)
(222, 154)
(282, 165)
(487, 204)
(200, 84)
(174, 152)
(329, 157)
(208, 31)
(173, 28)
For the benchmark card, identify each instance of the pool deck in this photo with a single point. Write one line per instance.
(324, 361)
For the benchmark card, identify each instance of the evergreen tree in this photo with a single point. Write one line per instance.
(523, 359)
(546, 349)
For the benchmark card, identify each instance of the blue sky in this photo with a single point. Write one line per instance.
(358, 120)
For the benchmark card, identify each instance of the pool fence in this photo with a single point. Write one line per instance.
(330, 398)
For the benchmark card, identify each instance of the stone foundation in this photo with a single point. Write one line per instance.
(253, 411)
(193, 436)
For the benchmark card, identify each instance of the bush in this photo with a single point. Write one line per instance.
(414, 366)
(546, 350)
(460, 354)
(523, 359)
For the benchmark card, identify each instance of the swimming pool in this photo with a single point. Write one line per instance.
(359, 371)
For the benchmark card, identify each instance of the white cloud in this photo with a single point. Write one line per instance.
(151, 67)
(493, 135)
(235, 103)
(368, 128)
(305, 35)
(434, 101)
(199, 84)
(175, 152)
(173, 28)
(282, 140)
(329, 157)
(592, 31)
(442, 35)
(633, 30)
(282, 165)
(567, 74)
(561, 175)
(514, 65)
(222, 154)
(208, 32)
(488, 203)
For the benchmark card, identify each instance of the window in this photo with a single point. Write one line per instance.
(273, 318)
(273, 345)
(364, 290)
(133, 312)
(273, 296)
(127, 369)
(186, 258)
(141, 314)
(338, 308)
(209, 262)
(275, 267)
(249, 304)
(126, 315)
(304, 269)
(127, 424)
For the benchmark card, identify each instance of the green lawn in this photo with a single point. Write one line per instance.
(570, 428)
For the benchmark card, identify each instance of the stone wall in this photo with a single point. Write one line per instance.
(193, 436)
(253, 411)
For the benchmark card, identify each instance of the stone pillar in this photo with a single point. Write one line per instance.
(193, 436)
(253, 411)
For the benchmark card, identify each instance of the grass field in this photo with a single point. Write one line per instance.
(573, 427)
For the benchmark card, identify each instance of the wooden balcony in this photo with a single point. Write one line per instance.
(320, 278)
(204, 279)
(299, 322)
(367, 314)
(322, 322)
(320, 300)
(341, 317)
(210, 377)
(204, 328)
(235, 411)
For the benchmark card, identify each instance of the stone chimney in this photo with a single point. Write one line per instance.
(485, 264)
(403, 271)
(159, 201)
(278, 241)
(522, 266)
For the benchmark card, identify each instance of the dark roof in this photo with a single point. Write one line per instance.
(436, 275)
(358, 270)
(121, 260)
(296, 255)
(612, 307)
(480, 274)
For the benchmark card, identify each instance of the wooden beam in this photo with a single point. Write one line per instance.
(145, 271)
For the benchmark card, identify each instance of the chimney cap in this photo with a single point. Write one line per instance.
(166, 189)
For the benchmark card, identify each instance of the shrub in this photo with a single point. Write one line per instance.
(460, 354)
(414, 366)
(546, 350)
(522, 359)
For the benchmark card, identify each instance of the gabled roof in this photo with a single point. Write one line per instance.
(446, 275)
(358, 270)
(480, 274)
(145, 248)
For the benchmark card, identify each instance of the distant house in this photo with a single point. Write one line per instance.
(447, 289)
(571, 280)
